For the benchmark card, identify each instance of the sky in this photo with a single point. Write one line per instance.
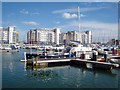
(100, 17)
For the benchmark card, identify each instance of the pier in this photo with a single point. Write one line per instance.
(35, 60)
(48, 62)
(94, 64)
(52, 61)
(77, 62)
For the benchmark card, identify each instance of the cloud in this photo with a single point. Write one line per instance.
(35, 13)
(94, 25)
(11, 14)
(24, 11)
(69, 16)
(57, 22)
(100, 31)
(65, 10)
(82, 15)
(30, 23)
(99, 25)
(72, 10)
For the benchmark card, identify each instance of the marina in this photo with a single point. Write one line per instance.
(54, 47)
(53, 76)
(77, 55)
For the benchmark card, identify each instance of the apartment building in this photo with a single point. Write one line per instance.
(55, 36)
(8, 35)
(45, 36)
(85, 37)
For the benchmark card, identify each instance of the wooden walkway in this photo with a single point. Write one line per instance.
(50, 61)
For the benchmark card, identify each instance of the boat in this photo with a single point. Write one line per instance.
(23, 60)
(9, 48)
(114, 59)
(80, 47)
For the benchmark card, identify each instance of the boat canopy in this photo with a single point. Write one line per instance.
(72, 41)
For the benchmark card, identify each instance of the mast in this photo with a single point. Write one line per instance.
(49, 38)
(79, 21)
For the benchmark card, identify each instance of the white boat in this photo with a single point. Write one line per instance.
(114, 59)
(9, 47)
(5, 47)
(23, 60)
(82, 48)
(78, 47)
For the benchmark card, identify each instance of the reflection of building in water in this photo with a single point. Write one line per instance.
(83, 72)
(41, 74)
(95, 74)
(11, 66)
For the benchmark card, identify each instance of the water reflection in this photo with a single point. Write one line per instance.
(96, 72)
(39, 73)
(83, 72)
(50, 72)
(11, 66)
(53, 77)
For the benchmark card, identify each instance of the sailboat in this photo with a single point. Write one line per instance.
(78, 47)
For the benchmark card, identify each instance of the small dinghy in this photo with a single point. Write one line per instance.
(23, 61)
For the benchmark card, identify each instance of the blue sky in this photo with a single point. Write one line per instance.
(100, 17)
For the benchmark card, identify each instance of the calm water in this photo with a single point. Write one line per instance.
(15, 76)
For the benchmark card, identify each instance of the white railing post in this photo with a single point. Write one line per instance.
(25, 60)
